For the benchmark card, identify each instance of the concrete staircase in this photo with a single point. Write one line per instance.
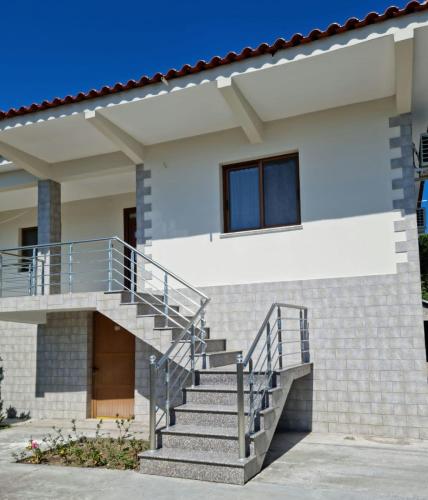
(202, 443)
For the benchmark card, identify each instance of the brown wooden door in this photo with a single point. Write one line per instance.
(113, 378)
(130, 237)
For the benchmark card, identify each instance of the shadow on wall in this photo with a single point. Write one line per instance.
(296, 419)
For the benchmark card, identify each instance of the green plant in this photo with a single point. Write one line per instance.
(102, 450)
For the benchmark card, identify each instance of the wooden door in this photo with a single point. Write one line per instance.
(130, 237)
(113, 378)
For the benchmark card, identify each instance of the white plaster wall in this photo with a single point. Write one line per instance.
(83, 219)
(346, 201)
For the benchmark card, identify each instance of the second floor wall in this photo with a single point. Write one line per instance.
(346, 203)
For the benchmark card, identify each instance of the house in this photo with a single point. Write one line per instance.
(155, 233)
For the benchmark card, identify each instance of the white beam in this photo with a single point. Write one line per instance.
(16, 179)
(35, 166)
(241, 109)
(93, 166)
(122, 140)
(404, 54)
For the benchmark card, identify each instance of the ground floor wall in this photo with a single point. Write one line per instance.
(48, 368)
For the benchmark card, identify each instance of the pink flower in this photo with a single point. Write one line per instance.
(34, 445)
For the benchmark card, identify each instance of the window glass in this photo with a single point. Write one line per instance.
(280, 192)
(244, 199)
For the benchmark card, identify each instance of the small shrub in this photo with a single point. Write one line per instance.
(11, 412)
(78, 450)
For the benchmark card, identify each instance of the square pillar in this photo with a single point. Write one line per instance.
(49, 231)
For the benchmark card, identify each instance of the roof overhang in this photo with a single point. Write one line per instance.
(111, 133)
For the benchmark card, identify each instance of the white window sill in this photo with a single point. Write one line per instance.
(265, 230)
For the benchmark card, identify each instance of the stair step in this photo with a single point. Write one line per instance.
(126, 297)
(194, 437)
(161, 322)
(213, 345)
(202, 465)
(220, 358)
(176, 332)
(154, 308)
(216, 415)
(226, 375)
(213, 394)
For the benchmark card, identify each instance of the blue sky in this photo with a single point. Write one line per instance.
(54, 48)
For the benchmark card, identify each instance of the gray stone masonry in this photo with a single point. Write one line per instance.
(49, 228)
(63, 366)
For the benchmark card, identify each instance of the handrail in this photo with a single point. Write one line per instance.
(262, 328)
(117, 266)
(270, 356)
(116, 238)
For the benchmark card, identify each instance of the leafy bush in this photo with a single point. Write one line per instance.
(119, 452)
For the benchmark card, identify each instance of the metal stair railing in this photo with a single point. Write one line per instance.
(112, 265)
(282, 341)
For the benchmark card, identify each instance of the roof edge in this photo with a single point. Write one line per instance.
(246, 53)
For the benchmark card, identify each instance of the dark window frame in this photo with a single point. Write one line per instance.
(260, 164)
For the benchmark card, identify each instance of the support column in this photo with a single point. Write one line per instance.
(49, 231)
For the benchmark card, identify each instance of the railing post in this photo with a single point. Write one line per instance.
(1, 275)
(251, 415)
(152, 415)
(167, 399)
(269, 354)
(43, 275)
(304, 347)
(165, 298)
(133, 284)
(70, 268)
(240, 402)
(192, 355)
(279, 326)
(110, 265)
(34, 259)
(203, 338)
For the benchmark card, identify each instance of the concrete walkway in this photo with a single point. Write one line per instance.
(315, 466)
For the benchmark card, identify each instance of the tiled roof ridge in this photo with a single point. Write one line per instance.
(246, 53)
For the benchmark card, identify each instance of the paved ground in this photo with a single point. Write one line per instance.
(304, 467)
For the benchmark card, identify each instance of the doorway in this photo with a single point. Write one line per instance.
(113, 369)
(130, 237)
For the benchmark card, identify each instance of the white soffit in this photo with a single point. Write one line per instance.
(58, 140)
(357, 73)
(320, 80)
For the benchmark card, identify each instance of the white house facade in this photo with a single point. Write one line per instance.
(282, 175)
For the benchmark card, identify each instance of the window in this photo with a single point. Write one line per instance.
(261, 194)
(28, 238)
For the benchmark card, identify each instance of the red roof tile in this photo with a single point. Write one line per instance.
(231, 57)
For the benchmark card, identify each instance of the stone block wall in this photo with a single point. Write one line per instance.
(18, 344)
(64, 359)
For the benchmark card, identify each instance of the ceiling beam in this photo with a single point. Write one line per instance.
(241, 109)
(92, 166)
(16, 179)
(35, 166)
(404, 54)
(133, 149)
